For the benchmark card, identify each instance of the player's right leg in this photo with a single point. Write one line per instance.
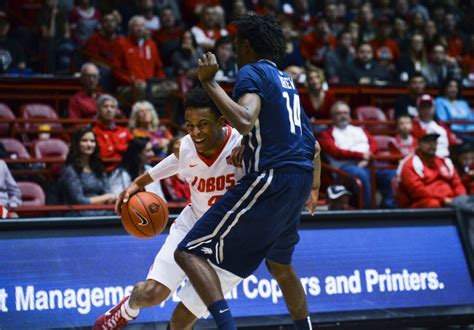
(163, 278)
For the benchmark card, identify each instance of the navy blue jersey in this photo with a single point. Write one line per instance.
(281, 135)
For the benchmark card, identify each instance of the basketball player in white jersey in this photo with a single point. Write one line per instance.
(203, 161)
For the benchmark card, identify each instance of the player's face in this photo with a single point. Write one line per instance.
(87, 144)
(241, 50)
(204, 128)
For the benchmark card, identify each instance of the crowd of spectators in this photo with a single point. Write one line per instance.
(130, 53)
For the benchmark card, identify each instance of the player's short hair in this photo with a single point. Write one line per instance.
(264, 35)
(198, 98)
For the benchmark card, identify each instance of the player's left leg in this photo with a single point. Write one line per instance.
(293, 293)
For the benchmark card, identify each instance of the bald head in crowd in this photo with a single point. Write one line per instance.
(341, 114)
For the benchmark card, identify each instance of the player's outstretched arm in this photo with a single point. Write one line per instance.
(243, 114)
(312, 201)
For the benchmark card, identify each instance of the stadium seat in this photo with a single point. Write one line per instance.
(31, 194)
(368, 112)
(371, 113)
(50, 148)
(37, 110)
(15, 147)
(5, 113)
(383, 143)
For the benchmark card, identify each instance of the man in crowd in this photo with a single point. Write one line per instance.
(112, 139)
(364, 69)
(83, 104)
(350, 149)
(135, 60)
(406, 104)
(425, 123)
(427, 180)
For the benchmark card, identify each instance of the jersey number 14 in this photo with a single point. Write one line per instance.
(294, 111)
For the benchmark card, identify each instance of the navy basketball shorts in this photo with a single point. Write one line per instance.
(256, 219)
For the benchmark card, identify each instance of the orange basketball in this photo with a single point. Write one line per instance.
(145, 215)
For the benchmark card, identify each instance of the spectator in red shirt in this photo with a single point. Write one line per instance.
(135, 59)
(98, 48)
(112, 139)
(386, 50)
(427, 180)
(425, 123)
(350, 148)
(315, 45)
(168, 36)
(83, 104)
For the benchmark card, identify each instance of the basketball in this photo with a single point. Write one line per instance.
(144, 215)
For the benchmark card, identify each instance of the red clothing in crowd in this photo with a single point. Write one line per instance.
(176, 190)
(99, 48)
(324, 111)
(386, 51)
(313, 49)
(403, 147)
(349, 143)
(189, 8)
(24, 12)
(455, 46)
(131, 62)
(82, 105)
(113, 141)
(427, 185)
(445, 140)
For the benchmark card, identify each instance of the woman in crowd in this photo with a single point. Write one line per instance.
(450, 106)
(144, 122)
(317, 101)
(83, 179)
(134, 163)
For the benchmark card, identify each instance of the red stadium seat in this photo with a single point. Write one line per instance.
(15, 147)
(368, 112)
(50, 148)
(31, 194)
(5, 113)
(384, 142)
(37, 110)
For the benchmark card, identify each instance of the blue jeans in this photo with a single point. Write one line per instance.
(383, 179)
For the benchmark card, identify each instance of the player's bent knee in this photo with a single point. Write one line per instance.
(150, 293)
(181, 257)
(279, 270)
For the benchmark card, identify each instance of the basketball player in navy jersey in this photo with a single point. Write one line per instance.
(258, 218)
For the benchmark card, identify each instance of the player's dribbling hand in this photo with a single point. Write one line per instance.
(207, 67)
(125, 195)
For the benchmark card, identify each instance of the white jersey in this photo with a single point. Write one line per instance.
(208, 178)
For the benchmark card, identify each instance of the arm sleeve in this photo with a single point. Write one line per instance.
(14, 193)
(72, 186)
(73, 108)
(164, 169)
(119, 68)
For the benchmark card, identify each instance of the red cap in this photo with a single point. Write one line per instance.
(425, 98)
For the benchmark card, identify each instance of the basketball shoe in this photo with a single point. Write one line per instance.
(115, 318)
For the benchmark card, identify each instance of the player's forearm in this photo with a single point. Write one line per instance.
(238, 115)
(316, 172)
(143, 180)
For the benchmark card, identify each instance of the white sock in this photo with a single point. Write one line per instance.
(129, 310)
